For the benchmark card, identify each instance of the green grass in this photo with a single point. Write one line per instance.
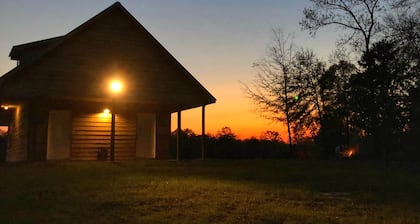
(208, 192)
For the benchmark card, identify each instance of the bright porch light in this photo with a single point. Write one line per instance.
(8, 106)
(116, 86)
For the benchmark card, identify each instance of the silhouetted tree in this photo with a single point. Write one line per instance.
(403, 27)
(380, 101)
(271, 136)
(226, 132)
(364, 21)
(287, 87)
(307, 108)
(335, 126)
(380, 96)
(190, 144)
(225, 145)
(271, 91)
(358, 17)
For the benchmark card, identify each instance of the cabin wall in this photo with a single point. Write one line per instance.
(37, 132)
(125, 137)
(91, 133)
(114, 44)
(59, 134)
(146, 136)
(17, 149)
(77, 70)
(163, 135)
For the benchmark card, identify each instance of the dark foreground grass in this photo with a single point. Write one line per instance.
(208, 192)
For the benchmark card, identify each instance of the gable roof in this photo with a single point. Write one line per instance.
(35, 48)
(79, 64)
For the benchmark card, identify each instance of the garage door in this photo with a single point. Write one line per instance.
(92, 133)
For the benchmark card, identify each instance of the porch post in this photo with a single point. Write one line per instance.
(203, 129)
(112, 147)
(178, 135)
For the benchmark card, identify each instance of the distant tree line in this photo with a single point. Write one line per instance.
(226, 145)
(372, 103)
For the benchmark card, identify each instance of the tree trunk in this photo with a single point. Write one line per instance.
(287, 114)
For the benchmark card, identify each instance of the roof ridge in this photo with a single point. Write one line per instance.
(15, 49)
(64, 37)
(39, 41)
(117, 5)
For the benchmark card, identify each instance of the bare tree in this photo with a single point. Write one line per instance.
(358, 17)
(307, 109)
(273, 136)
(226, 132)
(287, 89)
(402, 24)
(270, 91)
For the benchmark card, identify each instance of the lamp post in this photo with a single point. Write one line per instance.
(115, 87)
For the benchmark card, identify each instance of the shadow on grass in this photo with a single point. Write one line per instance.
(215, 191)
(365, 180)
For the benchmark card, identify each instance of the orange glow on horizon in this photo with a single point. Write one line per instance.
(231, 110)
(244, 125)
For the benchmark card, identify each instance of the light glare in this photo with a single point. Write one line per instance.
(116, 86)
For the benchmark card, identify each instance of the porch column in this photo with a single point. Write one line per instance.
(203, 129)
(163, 135)
(112, 146)
(178, 135)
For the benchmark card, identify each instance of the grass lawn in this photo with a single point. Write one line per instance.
(255, 191)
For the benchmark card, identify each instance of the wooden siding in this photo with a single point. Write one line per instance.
(25, 53)
(37, 132)
(59, 134)
(163, 134)
(146, 135)
(125, 138)
(18, 136)
(77, 69)
(37, 148)
(92, 132)
(81, 64)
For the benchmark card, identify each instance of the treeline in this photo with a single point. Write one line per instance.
(373, 104)
(370, 102)
(225, 145)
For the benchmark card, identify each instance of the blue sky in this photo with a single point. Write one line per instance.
(216, 40)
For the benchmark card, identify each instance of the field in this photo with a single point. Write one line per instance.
(248, 191)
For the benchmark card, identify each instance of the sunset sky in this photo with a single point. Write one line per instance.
(216, 40)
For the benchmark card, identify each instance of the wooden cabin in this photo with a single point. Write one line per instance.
(53, 102)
